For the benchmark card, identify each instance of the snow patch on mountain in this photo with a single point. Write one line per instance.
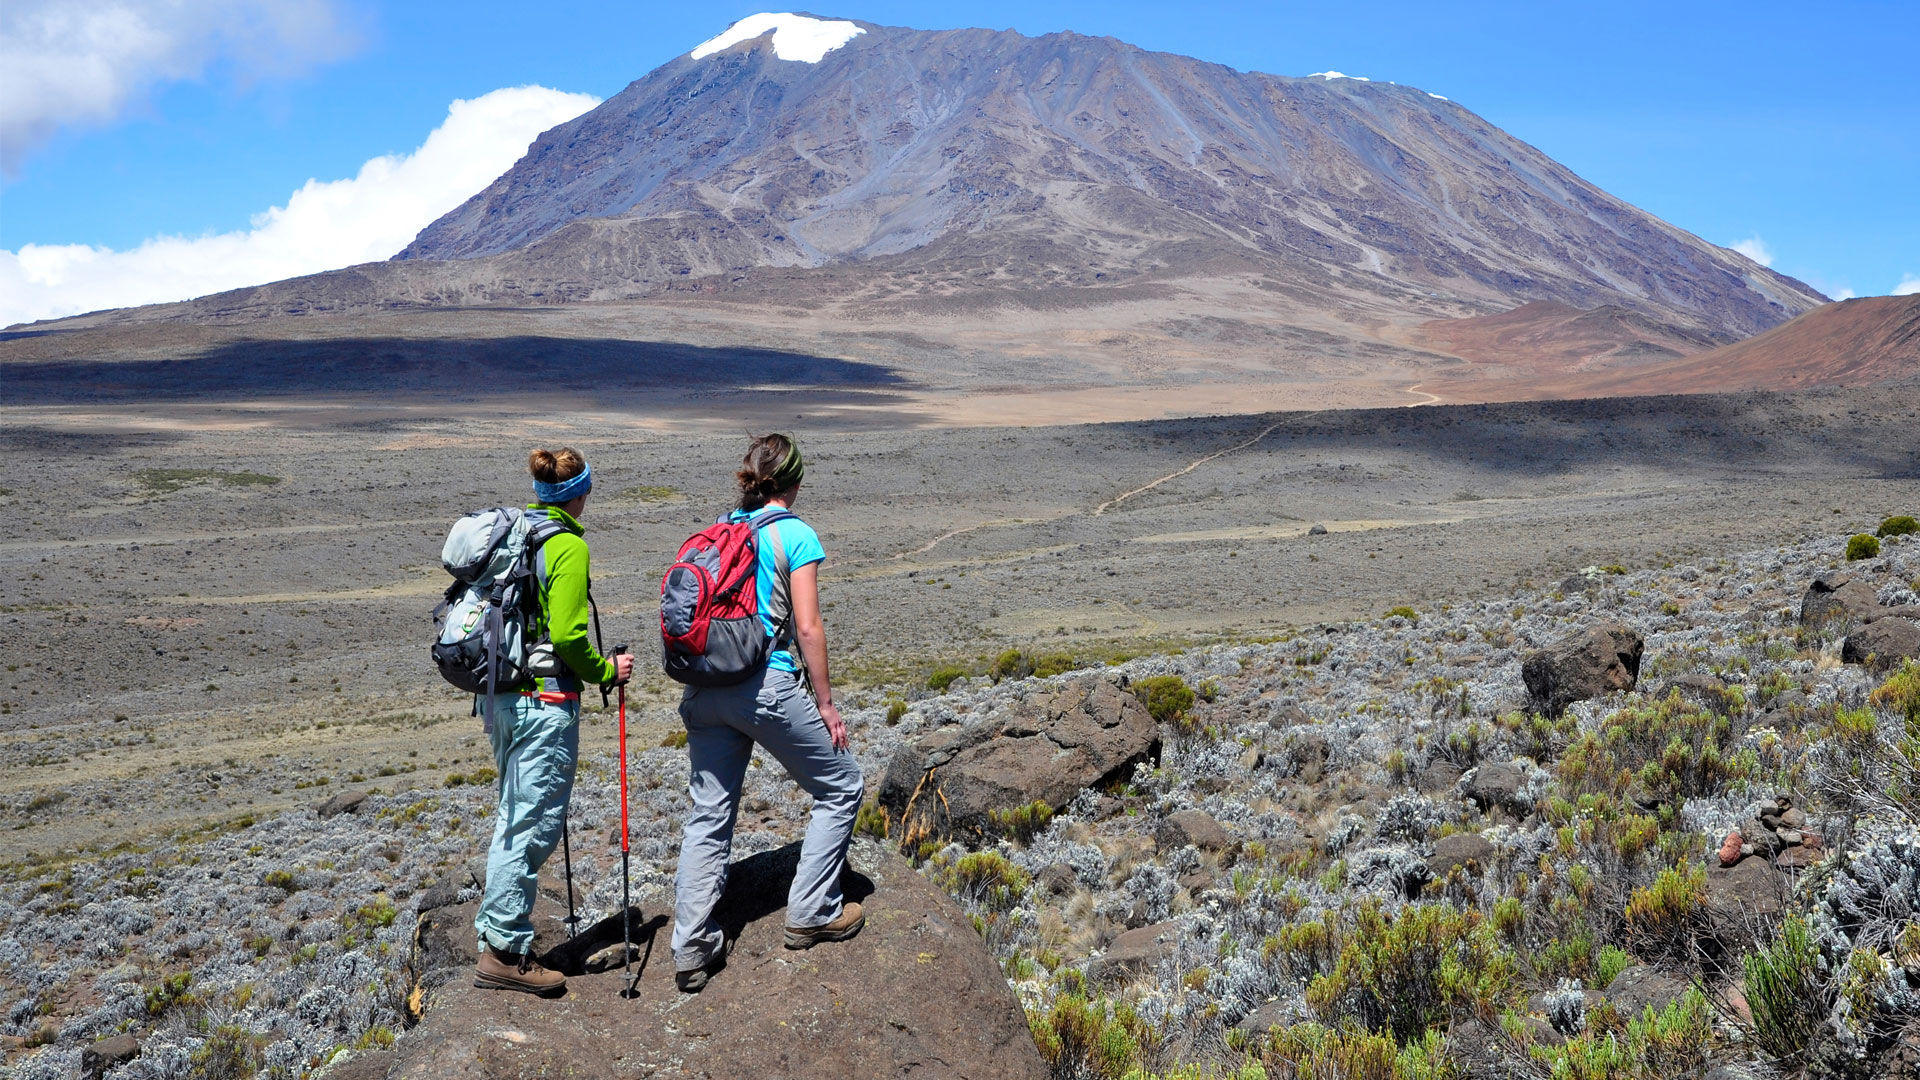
(795, 37)
(1332, 75)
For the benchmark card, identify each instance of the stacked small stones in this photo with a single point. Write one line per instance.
(1777, 830)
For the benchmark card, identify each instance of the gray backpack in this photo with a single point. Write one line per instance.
(482, 645)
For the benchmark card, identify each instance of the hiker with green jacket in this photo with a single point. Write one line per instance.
(536, 735)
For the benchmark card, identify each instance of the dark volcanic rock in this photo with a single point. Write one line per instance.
(1837, 596)
(1471, 850)
(1883, 643)
(1748, 892)
(1587, 664)
(107, 1054)
(1642, 985)
(1050, 747)
(1136, 952)
(1191, 827)
(857, 1008)
(347, 802)
(1500, 785)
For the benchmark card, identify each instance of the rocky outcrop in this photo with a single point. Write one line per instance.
(1599, 660)
(1134, 953)
(1502, 785)
(96, 1060)
(1191, 827)
(1833, 597)
(1643, 986)
(1051, 746)
(1471, 851)
(856, 1008)
(1883, 643)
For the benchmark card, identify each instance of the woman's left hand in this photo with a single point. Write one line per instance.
(836, 727)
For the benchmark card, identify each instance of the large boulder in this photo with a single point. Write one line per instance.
(1883, 643)
(1641, 986)
(107, 1054)
(1191, 827)
(1589, 663)
(916, 993)
(1135, 953)
(1838, 596)
(1049, 747)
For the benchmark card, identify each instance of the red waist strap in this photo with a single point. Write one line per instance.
(553, 697)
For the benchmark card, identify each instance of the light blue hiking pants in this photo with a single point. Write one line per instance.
(535, 746)
(723, 724)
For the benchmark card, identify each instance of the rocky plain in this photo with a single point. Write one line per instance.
(1534, 740)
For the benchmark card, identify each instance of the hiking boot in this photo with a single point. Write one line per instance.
(694, 981)
(499, 969)
(848, 924)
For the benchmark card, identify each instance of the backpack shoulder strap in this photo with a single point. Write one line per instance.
(781, 603)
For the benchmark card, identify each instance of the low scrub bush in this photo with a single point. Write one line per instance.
(1022, 823)
(1862, 546)
(943, 678)
(1786, 992)
(1673, 749)
(1898, 525)
(1012, 664)
(871, 820)
(1672, 1042)
(1405, 973)
(1094, 1039)
(169, 992)
(985, 879)
(1662, 918)
(1314, 1051)
(1168, 698)
(231, 1052)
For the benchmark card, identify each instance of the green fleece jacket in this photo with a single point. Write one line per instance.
(563, 602)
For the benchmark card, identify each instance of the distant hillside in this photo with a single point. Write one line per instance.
(1871, 341)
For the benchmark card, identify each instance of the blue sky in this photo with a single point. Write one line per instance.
(1792, 126)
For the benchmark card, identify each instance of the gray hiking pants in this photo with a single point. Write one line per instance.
(723, 724)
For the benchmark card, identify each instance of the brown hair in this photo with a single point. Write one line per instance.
(555, 466)
(757, 468)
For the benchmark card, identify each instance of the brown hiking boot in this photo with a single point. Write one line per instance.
(848, 924)
(502, 970)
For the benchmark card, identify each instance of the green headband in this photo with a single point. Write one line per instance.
(790, 470)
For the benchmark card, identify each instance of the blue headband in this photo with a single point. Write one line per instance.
(566, 490)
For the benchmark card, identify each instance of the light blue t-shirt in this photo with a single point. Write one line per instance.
(802, 546)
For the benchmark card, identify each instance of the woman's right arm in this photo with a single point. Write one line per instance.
(810, 633)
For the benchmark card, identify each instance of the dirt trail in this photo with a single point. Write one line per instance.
(1196, 463)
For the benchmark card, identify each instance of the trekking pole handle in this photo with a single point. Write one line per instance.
(605, 693)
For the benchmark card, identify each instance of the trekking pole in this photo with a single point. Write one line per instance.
(566, 855)
(626, 851)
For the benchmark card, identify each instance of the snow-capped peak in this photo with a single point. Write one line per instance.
(1331, 75)
(795, 37)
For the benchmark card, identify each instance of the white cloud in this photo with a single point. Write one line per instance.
(1909, 284)
(323, 226)
(795, 37)
(66, 64)
(1753, 248)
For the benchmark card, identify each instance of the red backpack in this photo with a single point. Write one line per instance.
(710, 626)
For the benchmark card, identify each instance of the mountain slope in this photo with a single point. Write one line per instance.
(958, 159)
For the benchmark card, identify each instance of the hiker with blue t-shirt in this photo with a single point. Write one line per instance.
(798, 724)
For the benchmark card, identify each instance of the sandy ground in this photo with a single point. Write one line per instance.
(208, 611)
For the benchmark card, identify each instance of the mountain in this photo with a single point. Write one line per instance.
(981, 211)
(944, 161)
